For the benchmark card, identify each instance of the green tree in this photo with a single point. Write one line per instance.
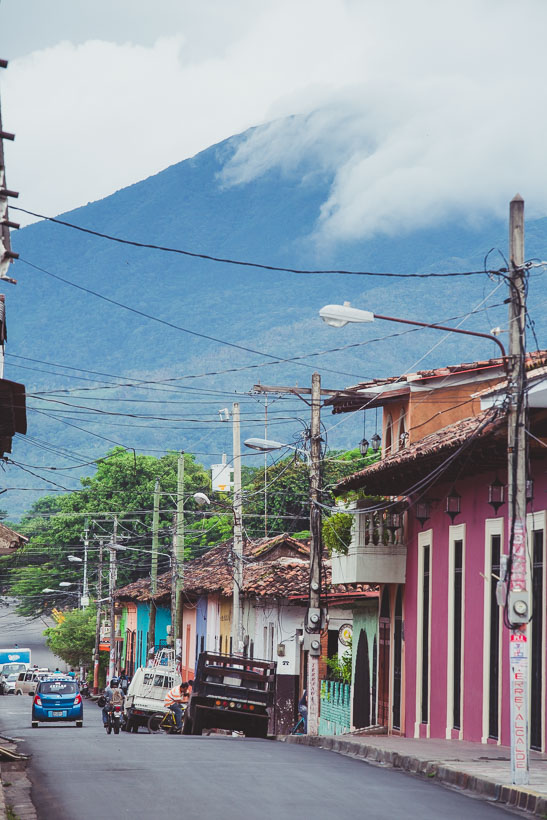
(124, 484)
(73, 639)
(287, 483)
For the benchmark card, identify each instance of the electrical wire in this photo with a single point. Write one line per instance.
(240, 262)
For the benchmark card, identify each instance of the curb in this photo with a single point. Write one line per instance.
(522, 798)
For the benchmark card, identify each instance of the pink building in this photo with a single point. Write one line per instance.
(434, 545)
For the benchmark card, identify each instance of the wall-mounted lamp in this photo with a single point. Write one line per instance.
(453, 504)
(496, 494)
(422, 512)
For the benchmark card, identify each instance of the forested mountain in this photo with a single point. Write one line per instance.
(270, 220)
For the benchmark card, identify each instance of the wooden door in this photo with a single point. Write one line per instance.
(383, 660)
(361, 688)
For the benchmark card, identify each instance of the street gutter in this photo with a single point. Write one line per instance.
(452, 776)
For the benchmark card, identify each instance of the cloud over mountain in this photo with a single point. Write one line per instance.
(418, 111)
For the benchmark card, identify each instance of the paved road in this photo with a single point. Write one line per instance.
(27, 632)
(83, 774)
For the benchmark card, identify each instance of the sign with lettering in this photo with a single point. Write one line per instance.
(518, 659)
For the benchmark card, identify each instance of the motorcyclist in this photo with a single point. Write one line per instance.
(112, 695)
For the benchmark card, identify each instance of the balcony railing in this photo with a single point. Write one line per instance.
(377, 552)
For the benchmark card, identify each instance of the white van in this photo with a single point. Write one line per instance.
(146, 693)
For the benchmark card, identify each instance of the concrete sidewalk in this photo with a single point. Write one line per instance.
(484, 770)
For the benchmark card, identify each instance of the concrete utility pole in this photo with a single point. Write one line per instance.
(178, 558)
(84, 601)
(314, 610)
(237, 552)
(98, 621)
(111, 587)
(154, 568)
(518, 601)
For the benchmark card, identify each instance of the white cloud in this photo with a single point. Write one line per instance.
(420, 111)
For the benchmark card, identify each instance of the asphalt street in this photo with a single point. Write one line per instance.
(83, 774)
(28, 633)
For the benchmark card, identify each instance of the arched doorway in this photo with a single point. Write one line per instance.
(383, 659)
(361, 688)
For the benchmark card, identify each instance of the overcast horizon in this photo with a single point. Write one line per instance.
(421, 112)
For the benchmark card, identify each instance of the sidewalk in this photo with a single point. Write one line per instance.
(484, 770)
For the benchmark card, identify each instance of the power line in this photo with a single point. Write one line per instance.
(244, 263)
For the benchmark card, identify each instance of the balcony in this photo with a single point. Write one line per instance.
(377, 552)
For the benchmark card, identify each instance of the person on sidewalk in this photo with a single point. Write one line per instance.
(175, 699)
(303, 709)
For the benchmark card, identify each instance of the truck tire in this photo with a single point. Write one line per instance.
(198, 723)
(187, 725)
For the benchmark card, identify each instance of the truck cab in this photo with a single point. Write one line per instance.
(231, 692)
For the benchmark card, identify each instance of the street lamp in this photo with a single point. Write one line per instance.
(340, 315)
(264, 445)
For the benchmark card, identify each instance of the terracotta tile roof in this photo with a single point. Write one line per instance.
(441, 443)
(534, 359)
(266, 573)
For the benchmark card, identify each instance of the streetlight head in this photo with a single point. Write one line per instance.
(66, 583)
(47, 589)
(74, 558)
(340, 315)
(201, 499)
(263, 444)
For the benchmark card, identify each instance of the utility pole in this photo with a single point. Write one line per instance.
(518, 601)
(314, 619)
(237, 552)
(84, 601)
(314, 609)
(98, 622)
(154, 569)
(266, 468)
(178, 558)
(111, 587)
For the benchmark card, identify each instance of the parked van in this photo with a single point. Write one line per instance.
(27, 681)
(147, 691)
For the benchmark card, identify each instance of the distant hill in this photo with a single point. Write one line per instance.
(270, 221)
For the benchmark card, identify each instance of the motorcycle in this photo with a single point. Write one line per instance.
(114, 718)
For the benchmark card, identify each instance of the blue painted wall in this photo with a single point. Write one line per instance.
(143, 620)
(201, 625)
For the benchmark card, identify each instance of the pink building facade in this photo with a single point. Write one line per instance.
(443, 656)
(456, 674)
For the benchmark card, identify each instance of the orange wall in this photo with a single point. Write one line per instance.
(429, 411)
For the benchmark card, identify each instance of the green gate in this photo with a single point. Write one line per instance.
(335, 708)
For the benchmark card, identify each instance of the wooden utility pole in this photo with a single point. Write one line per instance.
(178, 563)
(237, 552)
(314, 620)
(518, 601)
(154, 568)
(111, 588)
(98, 622)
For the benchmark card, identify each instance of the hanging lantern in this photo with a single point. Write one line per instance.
(376, 442)
(422, 512)
(453, 504)
(496, 494)
(363, 446)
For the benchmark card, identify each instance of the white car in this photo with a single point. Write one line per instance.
(9, 684)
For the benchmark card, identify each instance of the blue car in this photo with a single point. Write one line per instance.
(57, 698)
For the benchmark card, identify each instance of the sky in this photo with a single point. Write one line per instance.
(422, 112)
